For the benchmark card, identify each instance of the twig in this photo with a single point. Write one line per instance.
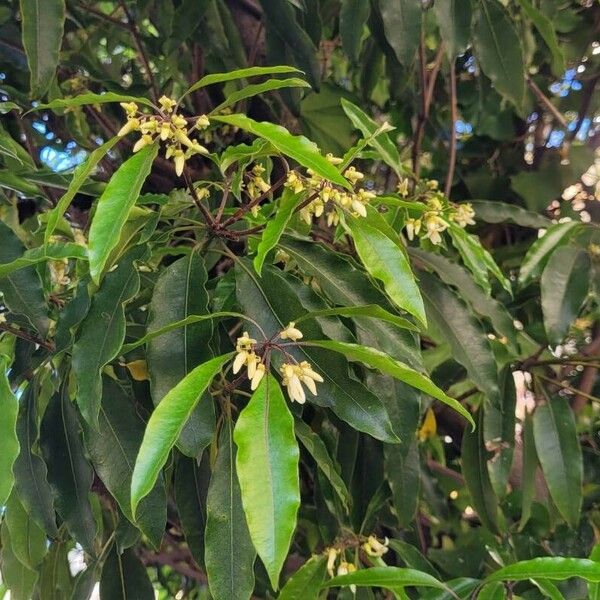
(101, 15)
(436, 466)
(546, 102)
(566, 386)
(24, 335)
(453, 117)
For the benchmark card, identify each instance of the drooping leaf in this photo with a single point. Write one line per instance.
(9, 444)
(113, 447)
(498, 49)
(403, 472)
(402, 25)
(530, 465)
(297, 147)
(19, 579)
(305, 583)
(353, 18)
(102, 332)
(500, 212)
(42, 253)
(548, 567)
(564, 287)
(124, 577)
(42, 32)
(178, 293)
(55, 577)
(559, 453)
(454, 20)
(165, 426)
(386, 262)
(391, 578)
(114, 206)
(229, 554)
(69, 473)
(412, 558)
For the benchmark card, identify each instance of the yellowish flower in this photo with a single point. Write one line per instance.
(353, 176)
(434, 226)
(413, 226)
(167, 104)
(429, 426)
(293, 384)
(334, 160)
(131, 108)
(179, 160)
(373, 547)
(463, 215)
(332, 554)
(259, 373)
(145, 140)
(202, 122)
(403, 187)
(294, 182)
(131, 125)
(291, 333)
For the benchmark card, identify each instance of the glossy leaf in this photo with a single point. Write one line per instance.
(9, 444)
(412, 557)
(124, 577)
(89, 98)
(564, 287)
(403, 472)
(402, 25)
(102, 332)
(594, 588)
(530, 466)
(548, 567)
(43, 253)
(114, 206)
(386, 262)
(165, 426)
(19, 579)
(42, 31)
(500, 212)
(454, 20)
(391, 578)
(297, 147)
(229, 555)
(305, 583)
(353, 18)
(559, 453)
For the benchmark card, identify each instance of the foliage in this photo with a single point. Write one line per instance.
(316, 313)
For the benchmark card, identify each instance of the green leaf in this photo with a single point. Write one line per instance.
(540, 251)
(239, 74)
(353, 18)
(124, 577)
(27, 538)
(71, 315)
(412, 557)
(386, 262)
(56, 251)
(259, 88)
(30, 470)
(403, 473)
(548, 567)
(305, 583)
(594, 588)
(530, 465)
(69, 473)
(297, 147)
(80, 176)
(19, 579)
(454, 20)
(9, 444)
(564, 286)
(273, 303)
(165, 425)
(500, 212)
(267, 469)
(547, 588)
(317, 449)
(492, 591)
(113, 447)
(102, 332)
(386, 364)
(498, 49)
(402, 25)
(22, 289)
(42, 32)
(114, 206)
(370, 310)
(178, 293)
(6, 107)
(391, 578)
(461, 330)
(559, 452)
(229, 554)
(85, 99)
(275, 227)
(477, 478)
(382, 143)
(545, 28)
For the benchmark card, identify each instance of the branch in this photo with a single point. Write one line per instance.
(24, 335)
(453, 117)
(546, 102)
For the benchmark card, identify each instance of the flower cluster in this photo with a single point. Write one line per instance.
(256, 186)
(246, 356)
(329, 196)
(373, 547)
(168, 126)
(296, 375)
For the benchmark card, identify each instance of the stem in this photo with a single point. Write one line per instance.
(546, 102)
(205, 212)
(27, 336)
(566, 386)
(453, 117)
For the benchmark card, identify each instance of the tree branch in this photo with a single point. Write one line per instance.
(453, 117)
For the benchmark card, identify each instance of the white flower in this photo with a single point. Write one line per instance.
(291, 333)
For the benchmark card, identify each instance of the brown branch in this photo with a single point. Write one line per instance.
(101, 15)
(439, 468)
(24, 335)
(546, 102)
(453, 117)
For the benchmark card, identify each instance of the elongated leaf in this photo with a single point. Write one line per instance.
(382, 143)
(403, 472)
(500, 212)
(69, 473)
(305, 583)
(22, 289)
(317, 449)
(19, 579)
(540, 251)
(454, 20)
(71, 315)
(42, 32)
(9, 444)
(549, 567)
(27, 538)
(475, 471)
(180, 292)
(165, 426)
(239, 74)
(594, 588)
(85, 99)
(259, 88)
(564, 287)
(297, 147)
(79, 177)
(102, 332)
(272, 303)
(391, 578)
(113, 447)
(499, 49)
(114, 206)
(267, 469)
(386, 262)
(402, 25)
(386, 364)
(229, 554)
(353, 18)
(31, 483)
(461, 330)
(547, 587)
(124, 577)
(275, 227)
(413, 558)
(530, 465)
(43, 253)
(559, 453)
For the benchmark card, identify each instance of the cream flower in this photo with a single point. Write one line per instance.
(291, 333)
